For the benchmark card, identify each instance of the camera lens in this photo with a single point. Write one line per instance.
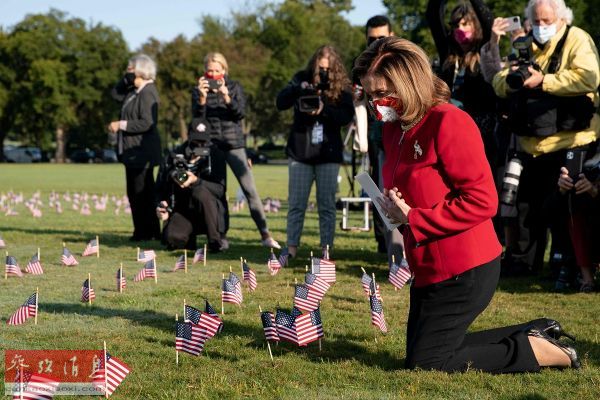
(510, 182)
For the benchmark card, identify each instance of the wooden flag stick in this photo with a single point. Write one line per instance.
(105, 372)
(155, 271)
(306, 268)
(222, 303)
(177, 351)
(230, 270)
(98, 244)
(363, 270)
(20, 381)
(327, 249)
(121, 278)
(89, 289)
(205, 254)
(138, 254)
(320, 345)
(268, 344)
(394, 262)
(185, 260)
(184, 313)
(39, 255)
(37, 296)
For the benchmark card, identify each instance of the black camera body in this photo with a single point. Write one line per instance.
(213, 84)
(181, 166)
(524, 60)
(309, 100)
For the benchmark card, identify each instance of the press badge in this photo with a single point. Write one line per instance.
(317, 134)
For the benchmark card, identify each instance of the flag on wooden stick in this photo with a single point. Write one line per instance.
(34, 266)
(12, 267)
(26, 311)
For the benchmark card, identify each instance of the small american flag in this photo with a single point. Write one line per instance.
(67, 258)
(286, 326)
(34, 387)
(34, 267)
(180, 263)
(189, 338)
(12, 267)
(198, 256)
(91, 248)
(249, 276)
(377, 317)
(316, 284)
(273, 264)
(233, 278)
(116, 371)
(146, 255)
(229, 293)
(192, 314)
(148, 271)
(369, 286)
(2, 244)
(309, 327)
(269, 327)
(87, 293)
(212, 312)
(27, 310)
(305, 300)
(121, 281)
(399, 275)
(324, 269)
(211, 325)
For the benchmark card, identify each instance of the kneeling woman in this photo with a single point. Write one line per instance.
(440, 188)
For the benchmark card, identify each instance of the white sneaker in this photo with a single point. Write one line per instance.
(270, 242)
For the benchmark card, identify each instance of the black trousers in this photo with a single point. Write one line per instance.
(438, 319)
(204, 214)
(140, 191)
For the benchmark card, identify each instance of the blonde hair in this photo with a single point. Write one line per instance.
(218, 58)
(406, 70)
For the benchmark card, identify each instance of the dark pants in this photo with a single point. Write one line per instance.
(204, 214)
(140, 191)
(437, 327)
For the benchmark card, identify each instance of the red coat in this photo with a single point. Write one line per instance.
(441, 170)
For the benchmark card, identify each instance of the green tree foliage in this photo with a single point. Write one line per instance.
(56, 77)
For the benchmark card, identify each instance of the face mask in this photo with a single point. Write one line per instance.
(129, 78)
(215, 76)
(544, 33)
(323, 75)
(386, 109)
(462, 37)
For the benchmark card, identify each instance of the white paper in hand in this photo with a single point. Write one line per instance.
(373, 191)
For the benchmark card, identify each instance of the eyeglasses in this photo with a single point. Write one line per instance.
(371, 39)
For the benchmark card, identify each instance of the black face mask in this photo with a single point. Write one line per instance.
(129, 78)
(323, 76)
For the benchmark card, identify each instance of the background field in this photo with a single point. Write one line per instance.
(356, 361)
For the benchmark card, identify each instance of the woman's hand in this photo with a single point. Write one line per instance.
(498, 29)
(113, 127)
(394, 206)
(191, 179)
(203, 89)
(583, 185)
(161, 211)
(565, 183)
(223, 91)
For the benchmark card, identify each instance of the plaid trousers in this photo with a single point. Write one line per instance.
(301, 177)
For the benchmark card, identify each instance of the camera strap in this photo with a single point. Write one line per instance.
(555, 57)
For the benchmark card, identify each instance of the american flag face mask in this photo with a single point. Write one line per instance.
(385, 109)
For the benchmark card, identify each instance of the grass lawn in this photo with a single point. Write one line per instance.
(356, 361)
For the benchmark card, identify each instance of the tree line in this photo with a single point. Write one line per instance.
(56, 71)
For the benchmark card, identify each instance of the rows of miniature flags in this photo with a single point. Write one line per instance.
(108, 375)
(83, 203)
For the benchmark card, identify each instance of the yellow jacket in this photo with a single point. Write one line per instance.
(579, 74)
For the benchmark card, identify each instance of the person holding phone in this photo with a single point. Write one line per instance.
(579, 206)
(314, 146)
(221, 101)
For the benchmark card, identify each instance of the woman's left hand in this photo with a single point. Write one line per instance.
(394, 206)
(113, 127)
(223, 91)
(320, 109)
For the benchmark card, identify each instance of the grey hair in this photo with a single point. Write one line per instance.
(559, 6)
(143, 66)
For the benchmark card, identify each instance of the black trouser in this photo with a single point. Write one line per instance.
(438, 320)
(204, 214)
(140, 191)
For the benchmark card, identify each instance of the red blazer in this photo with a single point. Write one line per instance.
(440, 168)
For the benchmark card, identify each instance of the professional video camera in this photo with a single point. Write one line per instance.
(309, 99)
(196, 158)
(524, 60)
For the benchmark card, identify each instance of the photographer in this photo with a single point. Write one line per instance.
(322, 102)
(221, 101)
(553, 94)
(190, 185)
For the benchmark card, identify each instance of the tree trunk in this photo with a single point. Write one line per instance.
(183, 132)
(59, 155)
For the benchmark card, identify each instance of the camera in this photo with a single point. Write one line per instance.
(197, 151)
(309, 100)
(524, 60)
(213, 84)
(510, 181)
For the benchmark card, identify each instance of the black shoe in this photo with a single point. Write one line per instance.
(568, 350)
(554, 329)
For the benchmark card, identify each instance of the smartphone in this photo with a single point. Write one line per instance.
(514, 23)
(574, 162)
(213, 84)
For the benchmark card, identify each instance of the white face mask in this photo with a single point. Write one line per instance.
(384, 109)
(544, 33)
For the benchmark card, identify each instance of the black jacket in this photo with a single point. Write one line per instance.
(475, 93)
(224, 120)
(333, 117)
(139, 145)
